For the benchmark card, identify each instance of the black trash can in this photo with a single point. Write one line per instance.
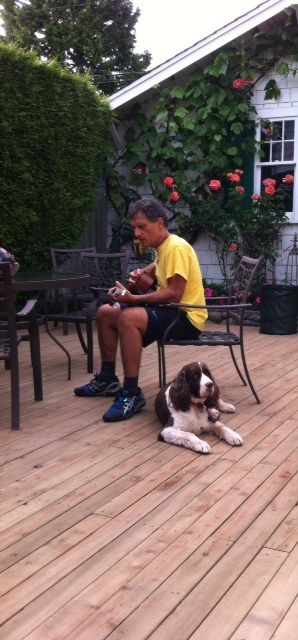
(279, 308)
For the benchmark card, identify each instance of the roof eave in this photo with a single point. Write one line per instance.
(198, 51)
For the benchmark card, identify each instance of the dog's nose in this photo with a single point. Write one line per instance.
(209, 385)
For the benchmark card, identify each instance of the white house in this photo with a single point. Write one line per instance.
(281, 154)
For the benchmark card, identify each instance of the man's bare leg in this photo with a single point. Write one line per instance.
(132, 325)
(107, 318)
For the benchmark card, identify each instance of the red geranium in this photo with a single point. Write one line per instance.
(288, 179)
(241, 83)
(269, 182)
(233, 247)
(239, 171)
(174, 196)
(270, 190)
(215, 185)
(233, 177)
(169, 182)
(240, 189)
(256, 197)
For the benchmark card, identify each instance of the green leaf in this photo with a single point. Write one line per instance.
(220, 65)
(237, 128)
(224, 110)
(162, 115)
(232, 151)
(181, 112)
(177, 92)
(283, 69)
(272, 90)
(189, 124)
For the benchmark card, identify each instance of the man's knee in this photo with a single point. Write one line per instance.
(133, 317)
(105, 312)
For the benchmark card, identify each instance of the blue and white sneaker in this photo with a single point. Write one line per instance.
(99, 387)
(125, 406)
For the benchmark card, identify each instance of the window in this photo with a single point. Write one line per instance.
(277, 154)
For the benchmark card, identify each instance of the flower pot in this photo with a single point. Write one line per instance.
(279, 309)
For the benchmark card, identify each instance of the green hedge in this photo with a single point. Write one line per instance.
(55, 136)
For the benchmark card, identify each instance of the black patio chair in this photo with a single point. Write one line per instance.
(68, 261)
(10, 324)
(234, 310)
(104, 269)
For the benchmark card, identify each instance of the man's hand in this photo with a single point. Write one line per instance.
(120, 294)
(133, 276)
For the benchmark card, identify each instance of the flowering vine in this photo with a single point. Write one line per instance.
(169, 182)
(198, 133)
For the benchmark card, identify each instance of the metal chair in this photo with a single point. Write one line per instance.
(68, 261)
(104, 269)
(10, 323)
(234, 310)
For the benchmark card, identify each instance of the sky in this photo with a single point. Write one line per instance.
(166, 27)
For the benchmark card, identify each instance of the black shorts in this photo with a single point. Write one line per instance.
(159, 319)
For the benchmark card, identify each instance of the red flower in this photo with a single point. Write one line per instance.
(233, 177)
(174, 196)
(240, 189)
(215, 185)
(258, 300)
(288, 179)
(209, 293)
(239, 171)
(239, 84)
(269, 182)
(256, 197)
(270, 190)
(169, 182)
(233, 247)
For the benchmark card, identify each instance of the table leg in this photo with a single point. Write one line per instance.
(49, 332)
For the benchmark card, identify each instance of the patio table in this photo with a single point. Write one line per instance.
(46, 281)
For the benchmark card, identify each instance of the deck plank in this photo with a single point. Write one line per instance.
(105, 532)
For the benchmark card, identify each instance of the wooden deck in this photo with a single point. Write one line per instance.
(106, 532)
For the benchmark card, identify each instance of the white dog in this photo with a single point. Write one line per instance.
(191, 405)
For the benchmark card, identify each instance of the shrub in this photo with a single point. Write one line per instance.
(54, 140)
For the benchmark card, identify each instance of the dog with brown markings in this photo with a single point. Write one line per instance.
(191, 405)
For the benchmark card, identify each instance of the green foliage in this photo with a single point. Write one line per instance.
(202, 131)
(54, 139)
(260, 226)
(272, 90)
(96, 37)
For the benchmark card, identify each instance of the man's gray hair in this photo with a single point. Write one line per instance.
(151, 208)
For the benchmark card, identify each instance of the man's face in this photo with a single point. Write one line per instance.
(150, 234)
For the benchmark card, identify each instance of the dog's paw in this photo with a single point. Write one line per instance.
(202, 447)
(226, 407)
(213, 414)
(233, 438)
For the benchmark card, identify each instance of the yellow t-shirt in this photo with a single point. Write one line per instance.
(175, 256)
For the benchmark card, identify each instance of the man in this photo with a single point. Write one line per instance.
(137, 321)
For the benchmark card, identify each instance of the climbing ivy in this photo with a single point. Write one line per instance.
(202, 131)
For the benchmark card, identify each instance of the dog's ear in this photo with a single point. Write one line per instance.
(180, 394)
(212, 401)
(207, 371)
